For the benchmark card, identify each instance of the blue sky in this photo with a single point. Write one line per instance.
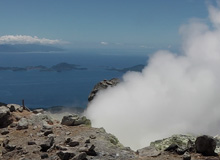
(101, 23)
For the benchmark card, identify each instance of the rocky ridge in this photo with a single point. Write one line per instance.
(101, 86)
(33, 135)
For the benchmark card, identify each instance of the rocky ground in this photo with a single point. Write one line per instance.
(34, 135)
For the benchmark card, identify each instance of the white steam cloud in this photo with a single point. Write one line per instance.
(173, 94)
(24, 39)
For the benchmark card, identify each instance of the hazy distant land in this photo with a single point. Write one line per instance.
(137, 68)
(60, 67)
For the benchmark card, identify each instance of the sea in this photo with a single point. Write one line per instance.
(67, 88)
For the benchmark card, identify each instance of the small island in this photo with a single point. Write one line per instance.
(137, 68)
(57, 68)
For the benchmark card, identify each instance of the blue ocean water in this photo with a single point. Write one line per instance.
(69, 88)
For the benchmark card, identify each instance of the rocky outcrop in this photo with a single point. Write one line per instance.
(186, 142)
(102, 85)
(186, 145)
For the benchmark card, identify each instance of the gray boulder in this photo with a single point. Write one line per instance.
(22, 124)
(5, 119)
(181, 141)
(186, 156)
(148, 152)
(80, 156)
(205, 145)
(71, 143)
(69, 120)
(47, 144)
(74, 120)
(46, 126)
(217, 139)
(10, 147)
(82, 120)
(4, 111)
(66, 155)
(89, 150)
(47, 132)
(102, 85)
(44, 156)
(40, 119)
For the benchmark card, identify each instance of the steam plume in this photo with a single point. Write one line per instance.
(173, 94)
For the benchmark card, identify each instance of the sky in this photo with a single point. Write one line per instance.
(137, 24)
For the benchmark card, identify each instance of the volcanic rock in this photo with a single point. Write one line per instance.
(44, 156)
(40, 119)
(22, 124)
(205, 145)
(46, 126)
(73, 143)
(80, 156)
(69, 120)
(186, 156)
(36, 111)
(171, 147)
(4, 131)
(47, 132)
(74, 120)
(47, 144)
(31, 143)
(65, 155)
(10, 147)
(148, 152)
(102, 85)
(179, 141)
(15, 107)
(5, 119)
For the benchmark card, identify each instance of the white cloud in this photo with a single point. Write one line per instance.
(25, 39)
(214, 14)
(104, 43)
(174, 94)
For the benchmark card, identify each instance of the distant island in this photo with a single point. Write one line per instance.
(137, 68)
(57, 68)
(28, 48)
